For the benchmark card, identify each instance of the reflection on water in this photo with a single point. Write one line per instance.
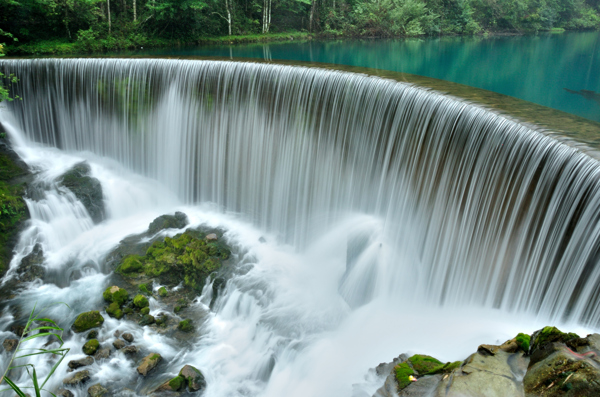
(535, 68)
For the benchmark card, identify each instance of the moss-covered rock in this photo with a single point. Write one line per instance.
(423, 363)
(87, 189)
(116, 295)
(145, 310)
(114, 311)
(162, 292)
(91, 347)
(147, 319)
(186, 257)
(185, 326)
(140, 301)
(523, 341)
(403, 371)
(445, 368)
(87, 320)
(193, 377)
(549, 334)
(144, 289)
(177, 383)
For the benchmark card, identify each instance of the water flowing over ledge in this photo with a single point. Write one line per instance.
(465, 206)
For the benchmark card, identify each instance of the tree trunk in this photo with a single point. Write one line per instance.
(108, 12)
(228, 16)
(134, 12)
(312, 15)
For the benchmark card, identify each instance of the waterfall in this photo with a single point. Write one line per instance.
(388, 192)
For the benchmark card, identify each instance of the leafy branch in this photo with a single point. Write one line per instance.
(52, 330)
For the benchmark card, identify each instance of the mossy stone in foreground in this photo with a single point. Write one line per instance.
(91, 347)
(423, 363)
(162, 291)
(88, 320)
(116, 295)
(193, 377)
(403, 371)
(140, 301)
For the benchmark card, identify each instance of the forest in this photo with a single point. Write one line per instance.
(35, 26)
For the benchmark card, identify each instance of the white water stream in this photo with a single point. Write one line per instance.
(396, 219)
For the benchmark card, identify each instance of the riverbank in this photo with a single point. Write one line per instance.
(66, 47)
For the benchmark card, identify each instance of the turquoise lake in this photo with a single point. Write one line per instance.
(548, 69)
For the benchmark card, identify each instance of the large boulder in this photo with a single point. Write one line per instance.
(87, 320)
(87, 189)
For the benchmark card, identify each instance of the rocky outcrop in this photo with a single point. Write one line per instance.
(31, 267)
(87, 189)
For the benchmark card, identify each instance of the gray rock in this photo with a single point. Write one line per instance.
(130, 350)
(77, 378)
(102, 353)
(177, 221)
(31, 267)
(84, 362)
(88, 190)
(65, 393)
(10, 344)
(128, 337)
(119, 344)
(97, 391)
(193, 377)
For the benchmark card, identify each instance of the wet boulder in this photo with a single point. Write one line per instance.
(87, 189)
(119, 344)
(177, 221)
(87, 320)
(149, 363)
(116, 295)
(97, 390)
(77, 378)
(91, 347)
(193, 378)
(10, 344)
(128, 337)
(175, 384)
(102, 353)
(83, 362)
(31, 267)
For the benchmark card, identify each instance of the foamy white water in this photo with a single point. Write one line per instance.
(396, 219)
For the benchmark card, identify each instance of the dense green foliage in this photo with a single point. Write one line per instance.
(66, 26)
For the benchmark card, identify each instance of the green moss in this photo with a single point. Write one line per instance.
(162, 291)
(88, 320)
(91, 346)
(116, 295)
(548, 335)
(131, 264)
(177, 309)
(155, 357)
(445, 368)
(147, 320)
(114, 310)
(185, 326)
(423, 364)
(145, 310)
(144, 288)
(403, 371)
(177, 383)
(185, 257)
(140, 301)
(128, 310)
(13, 211)
(523, 341)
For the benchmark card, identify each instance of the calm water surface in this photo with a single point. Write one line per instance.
(549, 69)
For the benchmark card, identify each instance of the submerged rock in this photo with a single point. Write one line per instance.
(77, 378)
(128, 337)
(119, 344)
(10, 344)
(102, 353)
(87, 189)
(87, 320)
(65, 393)
(130, 350)
(149, 363)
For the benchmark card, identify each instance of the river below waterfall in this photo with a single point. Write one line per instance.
(367, 217)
